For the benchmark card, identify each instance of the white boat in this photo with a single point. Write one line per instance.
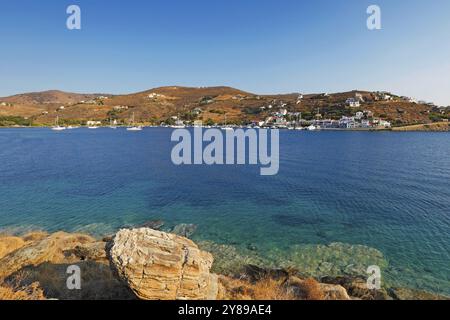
(226, 128)
(113, 125)
(93, 127)
(178, 124)
(133, 127)
(57, 127)
(139, 128)
(312, 128)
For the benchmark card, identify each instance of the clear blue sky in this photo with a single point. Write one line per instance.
(262, 46)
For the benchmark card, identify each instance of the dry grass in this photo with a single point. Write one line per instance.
(10, 244)
(266, 289)
(30, 292)
(7, 293)
(271, 289)
(309, 289)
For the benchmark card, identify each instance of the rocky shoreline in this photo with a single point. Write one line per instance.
(144, 263)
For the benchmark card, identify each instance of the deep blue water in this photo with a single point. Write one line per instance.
(389, 191)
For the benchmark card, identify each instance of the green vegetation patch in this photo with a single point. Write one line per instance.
(9, 121)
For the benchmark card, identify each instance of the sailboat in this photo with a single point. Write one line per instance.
(57, 127)
(226, 128)
(179, 125)
(113, 124)
(134, 128)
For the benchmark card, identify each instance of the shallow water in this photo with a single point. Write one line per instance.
(386, 191)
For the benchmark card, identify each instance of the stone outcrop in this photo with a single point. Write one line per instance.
(39, 263)
(48, 250)
(162, 266)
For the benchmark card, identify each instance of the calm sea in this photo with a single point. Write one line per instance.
(387, 191)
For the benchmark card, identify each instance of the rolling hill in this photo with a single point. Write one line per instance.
(209, 104)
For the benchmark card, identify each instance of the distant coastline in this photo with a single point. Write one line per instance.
(434, 127)
(219, 106)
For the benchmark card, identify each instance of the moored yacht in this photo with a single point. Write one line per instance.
(57, 127)
(179, 124)
(225, 127)
(133, 127)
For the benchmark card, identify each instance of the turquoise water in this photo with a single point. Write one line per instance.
(371, 194)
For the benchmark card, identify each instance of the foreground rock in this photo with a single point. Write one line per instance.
(162, 266)
(39, 263)
(150, 264)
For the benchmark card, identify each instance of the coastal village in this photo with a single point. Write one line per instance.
(222, 107)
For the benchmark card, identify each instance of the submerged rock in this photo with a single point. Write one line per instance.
(162, 266)
(153, 224)
(184, 230)
(411, 294)
(254, 273)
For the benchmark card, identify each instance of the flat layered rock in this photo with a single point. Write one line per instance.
(162, 266)
(48, 250)
(10, 244)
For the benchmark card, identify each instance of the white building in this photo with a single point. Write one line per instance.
(353, 103)
(385, 96)
(384, 124)
(155, 95)
(365, 124)
(359, 97)
(93, 123)
(120, 108)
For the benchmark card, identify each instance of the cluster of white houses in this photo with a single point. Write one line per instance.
(360, 120)
(352, 123)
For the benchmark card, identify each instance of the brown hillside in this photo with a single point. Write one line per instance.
(48, 97)
(206, 104)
